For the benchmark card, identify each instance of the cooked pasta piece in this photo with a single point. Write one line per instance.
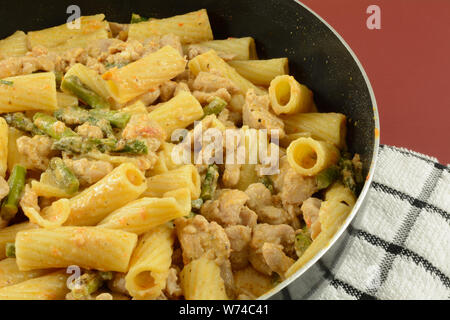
(11, 275)
(8, 235)
(122, 185)
(51, 217)
(65, 100)
(190, 27)
(261, 72)
(14, 46)
(201, 280)
(90, 78)
(149, 266)
(332, 215)
(177, 113)
(144, 214)
(30, 92)
(287, 96)
(184, 177)
(87, 247)
(211, 61)
(308, 156)
(340, 193)
(48, 191)
(47, 287)
(14, 156)
(3, 147)
(138, 77)
(238, 48)
(329, 127)
(61, 38)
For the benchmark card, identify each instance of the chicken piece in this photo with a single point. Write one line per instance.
(122, 53)
(297, 188)
(37, 151)
(37, 60)
(250, 284)
(197, 236)
(213, 81)
(88, 171)
(141, 126)
(173, 41)
(260, 201)
(240, 237)
(207, 97)
(310, 209)
(282, 234)
(117, 284)
(256, 114)
(276, 259)
(89, 131)
(170, 89)
(229, 209)
(173, 289)
(30, 199)
(231, 175)
(4, 188)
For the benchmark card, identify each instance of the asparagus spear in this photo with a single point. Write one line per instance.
(89, 97)
(210, 183)
(10, 250)
(76, 115)
(302, 241)
(215, 106)
(51, 126)
(267, 182)
(79, 144)
(16, 184)
(87, 284)
(63, 176)
(19, 121)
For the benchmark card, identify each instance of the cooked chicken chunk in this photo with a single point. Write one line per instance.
(37, 151)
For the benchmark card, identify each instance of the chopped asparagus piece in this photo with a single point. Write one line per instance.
(302, 241)
(63, 176)
(16, 184)
(51, 126)
(197, 204)
(6, 82)
(136, 18)
(84, 145)
(87, 284)
(88, 96)
(19, 121)
(327, 177)
(117, 119)
(215, 106)
(267, 182)
(209, 184)
(10, 250)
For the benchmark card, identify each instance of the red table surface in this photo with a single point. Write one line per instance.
(408, 64)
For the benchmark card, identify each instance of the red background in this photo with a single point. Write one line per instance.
(408, 64)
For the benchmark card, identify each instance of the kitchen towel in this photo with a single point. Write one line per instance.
(398, 245)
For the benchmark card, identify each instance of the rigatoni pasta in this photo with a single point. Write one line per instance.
(11, 275)
(287, 96)
(14, 46)
(87, 247)
(3, 147)
(261, 72)
(238, 48)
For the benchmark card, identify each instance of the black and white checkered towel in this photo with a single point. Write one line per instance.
(398, 246)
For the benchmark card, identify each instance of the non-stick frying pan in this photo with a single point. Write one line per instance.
(318, 56)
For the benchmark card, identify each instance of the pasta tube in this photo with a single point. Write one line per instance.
(90, 78)
(329, 127)
(138, 77)
(65, 100)
(309, 157)
(87, 247)
(184, 177)
(14, 46)
(211, 61)
(240, 48)
(52, 217)
(144, 214)
(48, 287)
(149, 266)
(3, 147)
(35, 91)
(122, 185)
(201, 280)
(261, 72)
(190, 27)
(340, 193)
(177, 113)
(287, 96)
(11, 275)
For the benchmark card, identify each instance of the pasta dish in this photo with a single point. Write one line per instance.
(149, 160)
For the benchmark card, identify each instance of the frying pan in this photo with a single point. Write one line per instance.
(318, 57)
